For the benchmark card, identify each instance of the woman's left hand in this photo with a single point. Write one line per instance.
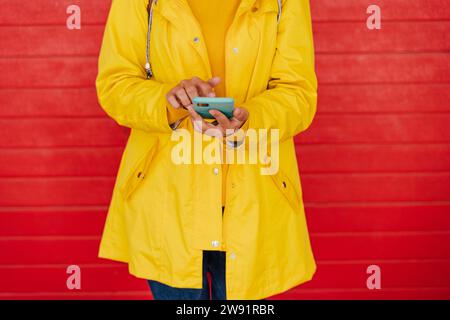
(224, 125)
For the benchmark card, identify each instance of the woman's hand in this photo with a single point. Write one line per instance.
(182, 95)
(224, 125)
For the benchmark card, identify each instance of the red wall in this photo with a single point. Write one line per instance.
(375, 164)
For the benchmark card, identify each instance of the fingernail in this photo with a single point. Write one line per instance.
(211, 95)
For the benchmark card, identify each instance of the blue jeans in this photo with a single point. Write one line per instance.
(214, 264)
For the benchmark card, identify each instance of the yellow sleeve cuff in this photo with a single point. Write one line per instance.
(173, 115)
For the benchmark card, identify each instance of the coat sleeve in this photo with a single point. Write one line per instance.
(122, 88)
(290, 101)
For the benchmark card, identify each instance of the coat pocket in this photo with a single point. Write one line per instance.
(290, 193)
(138, 172)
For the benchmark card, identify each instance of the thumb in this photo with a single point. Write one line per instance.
(213, 82)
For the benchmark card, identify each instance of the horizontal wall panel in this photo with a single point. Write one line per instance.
(313, 158)
(380, 128)
(57, 251)
(333, 98)
(78, 102)
(422, 157)
(78, 295)
(408, 36)
(378, 246)
(378, 218)
(48, 72)
(383, 98)
(375, 187)
(95, 11)
(366, 294)
(69, 222)
(328, 276)
(316, 188)
(427, 36)
(53, 279)
(397, 274)
(56, 191)
(50, 40)
(328, 10)
(336, 246)
(384, 68)
(43, 12)
(62, 132)
(53, 162)
(331, 68)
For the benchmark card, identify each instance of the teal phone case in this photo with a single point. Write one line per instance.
(202, 106)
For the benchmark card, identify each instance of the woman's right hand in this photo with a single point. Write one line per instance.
(181, 96)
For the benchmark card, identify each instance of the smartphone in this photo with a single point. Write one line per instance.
(202, 105)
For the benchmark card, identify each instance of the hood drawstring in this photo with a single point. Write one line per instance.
(148, 67)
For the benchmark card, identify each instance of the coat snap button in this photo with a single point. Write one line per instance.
(254, 9)
(284, 184)
(196, 40)
(215, 243)
(139, 174)
(235, 50)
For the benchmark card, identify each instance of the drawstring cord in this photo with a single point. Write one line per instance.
(148, 67)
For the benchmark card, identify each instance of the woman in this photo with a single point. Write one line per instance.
(174, 223)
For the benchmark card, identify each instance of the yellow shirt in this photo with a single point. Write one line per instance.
(214, 17)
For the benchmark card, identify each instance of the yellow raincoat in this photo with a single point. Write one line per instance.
(162, 214)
